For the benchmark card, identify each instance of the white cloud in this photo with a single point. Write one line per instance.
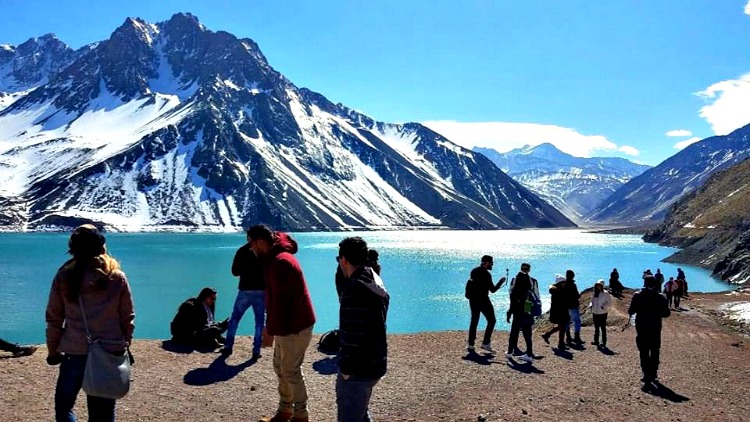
(682, 144)
(728, 105)
(747, 8)
(627, 149)
(679, 132)
(505, 136)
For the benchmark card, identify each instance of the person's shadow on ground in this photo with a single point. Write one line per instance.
(327, 365)
(526, 367)
(175, 347)
(660, 390)
(218, 371)
(607, 351)
(563, 353)
(483, 359)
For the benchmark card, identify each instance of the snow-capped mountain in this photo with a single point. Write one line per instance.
(646, 198)
(171, 124)
(30, 65)
(573, 185)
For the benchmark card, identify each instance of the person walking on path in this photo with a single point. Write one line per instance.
(558, 312)
(522, 319)
(669, 288)
(362, 332)
(573, 299)
(678, 291)
(91, 283)
(649, 307)
(600, 303)
(478, 289)
(17, 349)
(290, 318)
(250, 294)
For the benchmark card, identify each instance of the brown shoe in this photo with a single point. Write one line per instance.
(279, 417)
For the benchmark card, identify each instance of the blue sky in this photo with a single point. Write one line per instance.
(596, 78)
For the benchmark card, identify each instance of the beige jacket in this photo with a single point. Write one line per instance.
(109, 311)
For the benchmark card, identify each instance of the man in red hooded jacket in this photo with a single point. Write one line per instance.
(290, 318)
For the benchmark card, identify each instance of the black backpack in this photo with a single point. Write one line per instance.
(330, 343)
(469, 293)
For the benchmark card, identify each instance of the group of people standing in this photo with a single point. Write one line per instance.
(648, 306)
(91, 289)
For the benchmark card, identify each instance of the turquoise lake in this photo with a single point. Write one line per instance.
(424, 272)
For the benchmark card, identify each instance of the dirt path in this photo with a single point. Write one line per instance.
(705, 370)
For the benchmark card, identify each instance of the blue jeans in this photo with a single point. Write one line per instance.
(575, 319)
(246, 299)
(353, 398)
(69, 384)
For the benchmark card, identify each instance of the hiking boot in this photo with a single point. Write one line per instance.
(545, 337)
(526, 358)
(488, 348)
(24, 351)
(279, 417)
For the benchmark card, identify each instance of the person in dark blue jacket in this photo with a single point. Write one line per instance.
(649, 307)
(362, 331)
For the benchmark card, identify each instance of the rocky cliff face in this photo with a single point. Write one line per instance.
(646, 198)
(711, 225)
(173, 125)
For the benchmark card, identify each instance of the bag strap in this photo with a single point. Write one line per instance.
(85, 321)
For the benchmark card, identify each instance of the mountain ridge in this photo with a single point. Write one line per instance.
(171, 124)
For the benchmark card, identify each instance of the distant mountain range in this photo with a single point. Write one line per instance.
(712, 225)
(573, 185)
(173, 126)
(646, 198)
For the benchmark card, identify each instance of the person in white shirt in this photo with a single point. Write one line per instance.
(601, 300)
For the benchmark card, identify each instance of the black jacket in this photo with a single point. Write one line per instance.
(191, 317)
(248, 267)
(572, 296)
(649, 307)
(480, 285)
(558, 311)
(519, 292)
(362, 325)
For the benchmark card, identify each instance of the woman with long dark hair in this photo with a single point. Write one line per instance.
(90, 282)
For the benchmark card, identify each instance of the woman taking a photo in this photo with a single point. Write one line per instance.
(94, 279)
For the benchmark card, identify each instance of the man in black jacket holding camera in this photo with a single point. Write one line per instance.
(478, 290)
(649, 307)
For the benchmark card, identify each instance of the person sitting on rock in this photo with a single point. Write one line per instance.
(614, 283)
(194, 325)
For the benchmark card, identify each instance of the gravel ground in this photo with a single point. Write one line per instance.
(705, 374)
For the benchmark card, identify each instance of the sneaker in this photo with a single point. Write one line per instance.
(562, 346)
(25, 351)
(470, 347)
(509, 355)
(488, 348)
(526, 358)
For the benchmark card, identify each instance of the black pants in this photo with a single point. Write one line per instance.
(648, 340)
(677, 298)
(670, 298)
(600, 323)
(521, 323)
(483, 306)
(558, 328)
